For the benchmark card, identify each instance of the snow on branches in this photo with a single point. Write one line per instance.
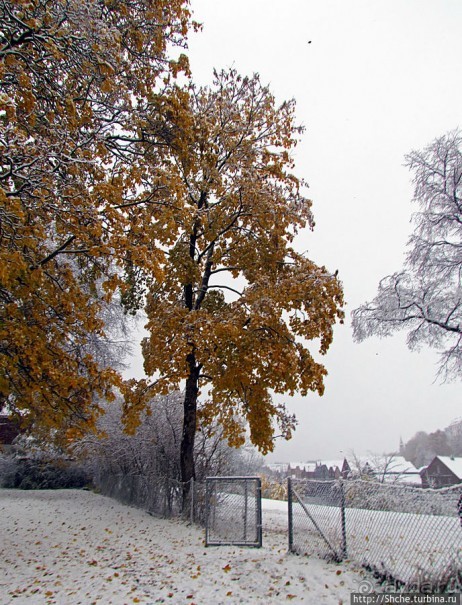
(425, 298)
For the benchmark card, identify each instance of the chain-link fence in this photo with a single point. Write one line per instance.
(160, 496)
(409, 534)
(233, 511)
(405, 534)
(228, 507)
(316, 518)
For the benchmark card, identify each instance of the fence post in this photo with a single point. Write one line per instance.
(207, 511)
(343, 518)
(246, 505)
(193, 485)
(290, 514)
(259, 514)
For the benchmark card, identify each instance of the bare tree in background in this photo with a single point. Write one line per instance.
(389, 468)
(153, 451)
(425, 298)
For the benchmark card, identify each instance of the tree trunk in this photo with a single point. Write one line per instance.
(189, 427)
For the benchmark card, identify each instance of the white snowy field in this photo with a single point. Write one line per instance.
(72, 547)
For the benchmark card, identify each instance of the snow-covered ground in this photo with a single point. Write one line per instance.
(72, 547)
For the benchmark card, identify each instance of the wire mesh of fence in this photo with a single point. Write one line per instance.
(405, 534)
(195, 504)
(233, 511)
(159, 496)
(228, 507)
(315, 518)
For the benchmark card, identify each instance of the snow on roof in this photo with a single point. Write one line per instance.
(391, 463)
(404, 479)
(398, 464)
(305, 466)
(280, 467)
(309, 467)
(355, 461)
(453, 464)
(395, 464)
(333, 463)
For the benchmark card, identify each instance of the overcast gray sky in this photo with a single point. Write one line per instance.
(379, 79)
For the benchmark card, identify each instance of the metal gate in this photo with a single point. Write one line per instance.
(233, 511)
(317, 518)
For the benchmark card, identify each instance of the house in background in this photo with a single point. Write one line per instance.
(337, 469)
(346, 469)
(302, 470)
(8, 432)
(332, 469)
(390, 468)
(442, 471)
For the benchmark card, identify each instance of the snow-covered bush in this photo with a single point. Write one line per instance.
(44, 474)
(144, 468)
(32, 464)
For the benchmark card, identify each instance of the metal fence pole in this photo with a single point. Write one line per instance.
(192, 500)
(246, 506)
(343, 518)
(259, 514)
(207, 510)
(290, 514)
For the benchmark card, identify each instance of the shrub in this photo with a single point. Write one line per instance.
(43, 474)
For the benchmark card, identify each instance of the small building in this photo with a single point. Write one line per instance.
(338, 468)
(345, 471)
(8, 432)
(442, 471)
(320, 470)
(302, 470)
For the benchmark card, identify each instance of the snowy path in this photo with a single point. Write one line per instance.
(71, 547)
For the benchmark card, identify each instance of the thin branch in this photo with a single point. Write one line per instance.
(55, 253)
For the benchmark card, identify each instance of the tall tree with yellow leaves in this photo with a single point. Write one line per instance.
(76, 77)
(236, 304)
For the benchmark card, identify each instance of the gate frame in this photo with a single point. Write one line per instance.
(259, 525)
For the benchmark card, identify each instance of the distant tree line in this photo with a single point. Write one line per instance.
(423, 447)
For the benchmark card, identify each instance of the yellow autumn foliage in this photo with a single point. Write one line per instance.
(237, 306)
(74, 76)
